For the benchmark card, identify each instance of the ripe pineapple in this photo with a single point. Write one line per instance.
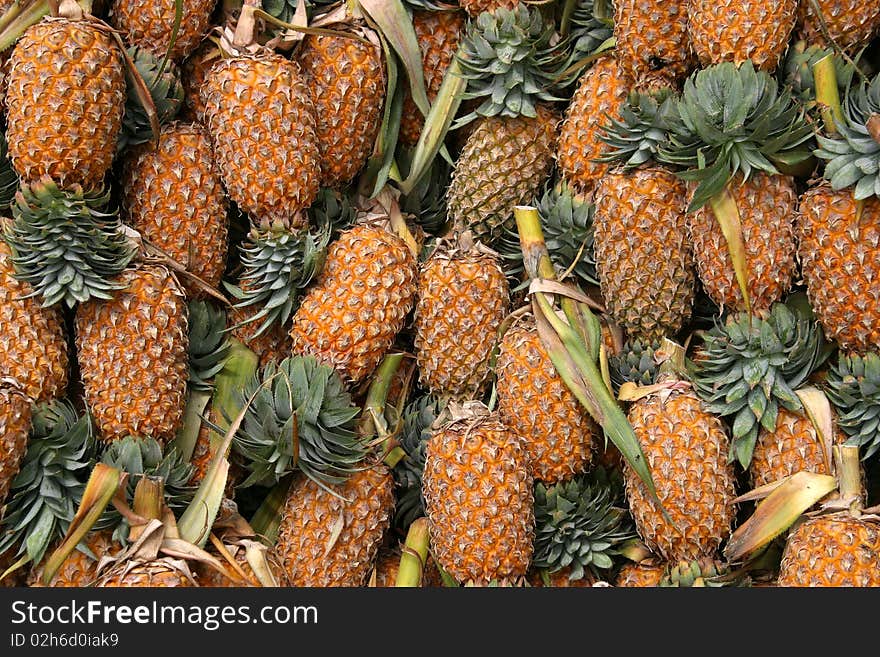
(15, 426)
(346, 78)
(644, 258)
(652, 36)
(686, 449)
(476, 7)
(330, 538)
(535, 403)
(260, 115)
(79, 568)
(193, 71)
(641, 574)
(740, 30)
(148, 23)
(601, 92)
(462, 299)
(350, 316)
(64, 103)
(33, 346)
(479, 498)
(133, 355)
(851, 23)
(172, 195)
(438, 34)
(388, 564)
(508, 61)
(839, 226)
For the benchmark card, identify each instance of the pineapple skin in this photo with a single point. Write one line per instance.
(652, 36)
(536, 404)
(193, 71)
(851, 23)
(479, 501)
(686, 451)
(767, 206)
(15, 426)
(310, 517)
(33, 345)
(462, 300)
(640, 575)
(346, 78)
(78, 569)
(351, 315)
(475, 7)
(832, 551)
(504, 162)
(65, 99)
(260, 115)
(600, 93)
(173, 196)
(148, 23)
(438, 34)
(794, 446)
(643, 254)
(840, 261)
(133, 356)
(154, 574)
(737, 30)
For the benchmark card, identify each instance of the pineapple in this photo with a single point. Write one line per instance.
(747, 368)
(652, 36)
(853, 387)
(132, 352)
(475, 7)
(351, 315)
(331, 537)
(479, 498)
(388, 564)
(260, 115)
(731, 165)
(535, 403)
(600, 93)
(64, 103)
(15, 425)
(462, 299)
(644, 258)
(850, 23)
(33, 346)
(79, 568)
(193, 71)
(270, 346)
(642, 574)
(508, 62)
(686, 449)
(741, 30)
(148, 23)
(839, 226)
(438, 34)
(172, 195)
(346, 78)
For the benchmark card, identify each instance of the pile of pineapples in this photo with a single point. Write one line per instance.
(426, 293)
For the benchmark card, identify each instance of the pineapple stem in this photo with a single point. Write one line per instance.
(373, 423)
(414, 556)
(727, 213)
(17, 20)
(267, 518)
(246, 27)
(186, 438)
(148, 503)
(536, 258)
(849, 476)
(827, 93)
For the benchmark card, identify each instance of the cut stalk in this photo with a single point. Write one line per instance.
(186, 438)
(267, 517)
(414, 556)
(14, 25)
(148, 503)
(827, 93)
(373, 425)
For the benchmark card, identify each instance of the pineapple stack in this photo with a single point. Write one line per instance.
(299, 256)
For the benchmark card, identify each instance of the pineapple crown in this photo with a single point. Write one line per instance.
(698, 573)
(278, 264)
(567, 224)
(853, 158)
(418, 416)
(46, 492)
(508, 60)
(643, 127)
(581, 523)
(208, 343)
(635, 363)
(331, 208)
(301, 418)
(749, 366)
(8, 177)
(162, 80)
(591, 28)
(145, 457)
(733, 119)
(65, 245)
(426, 203)
(853, 387)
